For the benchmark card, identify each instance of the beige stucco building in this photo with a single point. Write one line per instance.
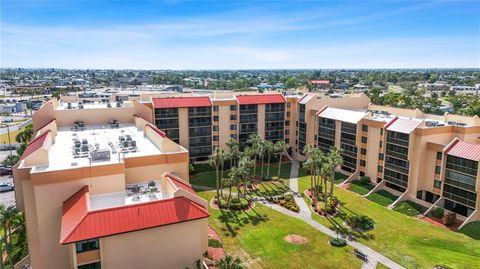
(102, 186)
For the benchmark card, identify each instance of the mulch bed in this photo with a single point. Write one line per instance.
(215, 254)
(438, 222)
(325, 215)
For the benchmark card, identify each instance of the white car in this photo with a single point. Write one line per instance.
(6, 187)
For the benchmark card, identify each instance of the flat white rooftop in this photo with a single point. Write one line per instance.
(99, 145)
(91, 105)
(147, 194)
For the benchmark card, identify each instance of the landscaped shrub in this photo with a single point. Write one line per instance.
(362, 222)
(449, 218)
(338, 242)
(235, 203)
(334, 202)
(288, 197)
(438, 212)
(364, 180)
(214, 243)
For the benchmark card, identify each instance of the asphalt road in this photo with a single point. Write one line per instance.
(7, 198)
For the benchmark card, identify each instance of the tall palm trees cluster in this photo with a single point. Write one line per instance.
(13, 239)
(321, 168)
(240, 164)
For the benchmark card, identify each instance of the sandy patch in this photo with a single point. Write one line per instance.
(296, 239)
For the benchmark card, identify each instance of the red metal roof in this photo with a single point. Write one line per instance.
(464, 150)
(156, 130)
(259, 99)
(176, 102)
(34, 144)
(179, 183)
(79, 222)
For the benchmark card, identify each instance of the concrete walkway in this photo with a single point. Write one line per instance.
(305, 215)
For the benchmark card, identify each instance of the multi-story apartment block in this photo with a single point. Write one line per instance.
(102, 187)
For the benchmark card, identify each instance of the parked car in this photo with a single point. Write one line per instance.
(5, 170)
(6, 187)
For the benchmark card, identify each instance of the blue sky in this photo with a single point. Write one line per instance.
(239, 34)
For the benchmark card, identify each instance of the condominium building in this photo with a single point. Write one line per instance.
(102, 187)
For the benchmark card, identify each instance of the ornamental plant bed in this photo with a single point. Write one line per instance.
(286, 201)
(236, 204)
(319, 208)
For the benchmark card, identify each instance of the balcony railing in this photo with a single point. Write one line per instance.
(397, 168)
(397, 141)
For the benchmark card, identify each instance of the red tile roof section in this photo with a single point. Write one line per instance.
(177, 102)
(75, 209)
(259, 99)
(156, 130)
(465, 150)
(123, 219)
(179, 183)
(34, 144)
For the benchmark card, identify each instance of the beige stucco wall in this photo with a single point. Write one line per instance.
(171, 246)
(261, 121)
(183, 127)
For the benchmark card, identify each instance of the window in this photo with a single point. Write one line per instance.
(380, 156)
(233, 127)
(215, 108)
(233, 117)
(288, 114)
(437, 184)
(437, 169)
(95, 265)
(287, 141)
(365, 128)
(87, 245)
(215, 127)
(234, 136)
(381, 131)
(215, 138)
(362, 174)
(380, 168)
(380, 144)
(289, 105)
(439, 155)
(287, 132)
(362, 163)
(215, 118)
(364, 139)
(363, 151)
(287, 123)
(233, 107)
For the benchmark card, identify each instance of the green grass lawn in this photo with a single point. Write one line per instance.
(409, 208)
(257, 236)
(472, 230)
(382, 197)
(207, 178)
(339, 178)
(361, 189)
(406, 240)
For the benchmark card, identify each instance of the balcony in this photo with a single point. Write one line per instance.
(397, 141)
(397, 168)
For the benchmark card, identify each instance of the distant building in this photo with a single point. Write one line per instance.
(437, 86)
(13, 107)
(463, 88)
(320, 83)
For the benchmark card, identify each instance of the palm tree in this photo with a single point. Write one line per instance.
(229, 262)
(234, 178)
(244, 166)
(261, 149)
(319, 161)
(223, 157)
(280, 148)
(254, 141)
(309, 164)
(214, 161)
(234, 147)
(10, 221)
(334, 160)
(269, 151)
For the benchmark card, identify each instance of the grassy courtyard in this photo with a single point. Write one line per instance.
(406, 240)
(257, 237)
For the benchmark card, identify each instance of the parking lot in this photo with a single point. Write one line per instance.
(7, 198)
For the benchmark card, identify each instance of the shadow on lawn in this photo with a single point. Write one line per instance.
(233, 220)
(341, 216)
